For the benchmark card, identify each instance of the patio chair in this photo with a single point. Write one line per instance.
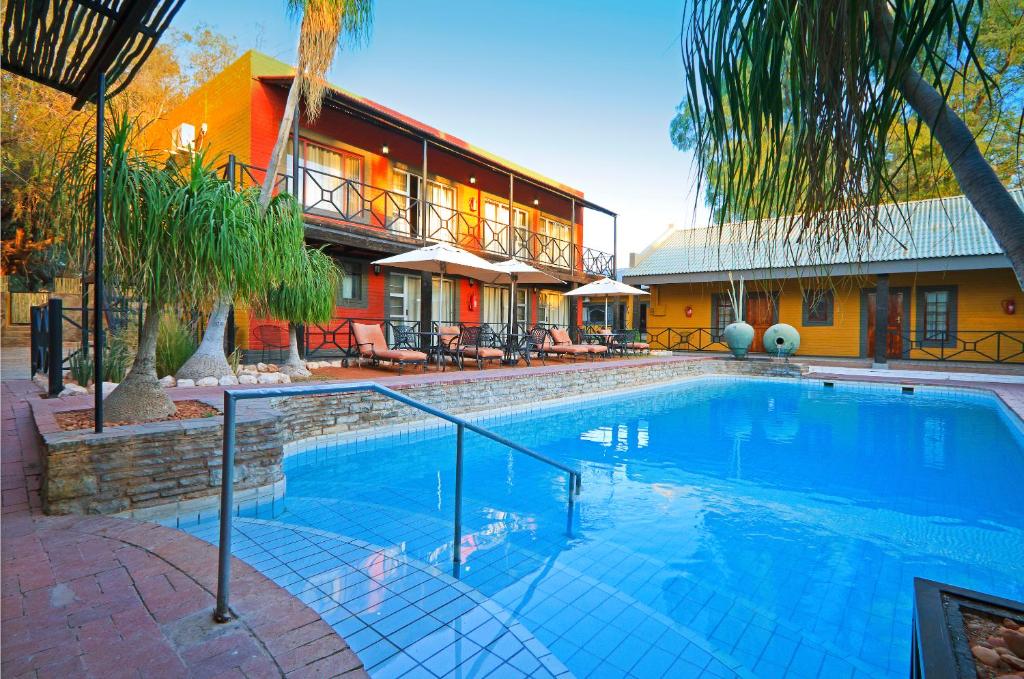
(451, 343)
(630, 341)
(271, 338)
(476, 345)
(406, 337)
(370, 342)
(562, 345)
(538, 343)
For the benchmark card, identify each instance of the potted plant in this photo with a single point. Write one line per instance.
(739, 334)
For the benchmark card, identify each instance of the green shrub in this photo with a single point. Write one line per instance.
(175, 343)
(80, 368)
(117, 354)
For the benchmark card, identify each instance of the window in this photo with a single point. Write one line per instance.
(398, 203)
(936, 316)
(352, 288)
(819, 307)
(448, 315)
(495, 305)
(552, 309)
(442, 224)
(721, 314)
(329, 180)
(554, 248)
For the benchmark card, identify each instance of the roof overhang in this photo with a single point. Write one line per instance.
(67, 44)
(381, 115)
(965, 263)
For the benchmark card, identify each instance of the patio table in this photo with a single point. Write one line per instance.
(432, 344)
(611, 340)
(516, 348)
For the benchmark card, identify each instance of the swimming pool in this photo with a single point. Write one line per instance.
(726, 526)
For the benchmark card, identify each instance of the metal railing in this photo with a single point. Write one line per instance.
(686, 339)
(232, 396)
(335, 197)
(992, 346)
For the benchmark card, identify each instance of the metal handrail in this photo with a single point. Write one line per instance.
(231, 396)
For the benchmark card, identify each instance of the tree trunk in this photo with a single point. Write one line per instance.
(140, 397)
(294, 365)
(977, 179)
(278, 154)
(209, 359)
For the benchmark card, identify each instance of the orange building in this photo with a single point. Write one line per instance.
(374, 182)
(950, 293)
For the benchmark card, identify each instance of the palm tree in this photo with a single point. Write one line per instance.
(326, 27)
(306, 297)
(791, 107)
(174, 235)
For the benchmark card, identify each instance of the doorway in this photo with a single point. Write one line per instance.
(899, 311)
(761, 311)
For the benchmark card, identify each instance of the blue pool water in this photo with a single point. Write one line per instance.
(726, 527)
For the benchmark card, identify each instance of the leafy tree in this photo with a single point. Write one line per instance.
(326, 27)
(817, 111)
(39, 129)
(173, 235)
(306, 297)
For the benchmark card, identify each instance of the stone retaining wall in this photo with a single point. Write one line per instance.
(131, 468)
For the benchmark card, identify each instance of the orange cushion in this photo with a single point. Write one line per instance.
(561, 336)
(401, 355)
(596, 348)
(483, 352)
(370, 338)
(570, 349)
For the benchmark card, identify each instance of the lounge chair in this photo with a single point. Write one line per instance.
(538, 343)
(451, 343)
(475, 345)
(369, 341)
(562, 345)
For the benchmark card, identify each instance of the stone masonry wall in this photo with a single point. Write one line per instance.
(136, 467)
(145, 465)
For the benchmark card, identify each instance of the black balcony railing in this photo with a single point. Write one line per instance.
(334, 197)
(686, 339)
(995, 346)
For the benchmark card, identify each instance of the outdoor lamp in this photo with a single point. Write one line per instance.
(472, 179)
(1009, 306)
(376, 269)
(385, 150)
(689, 311)
(536, 201)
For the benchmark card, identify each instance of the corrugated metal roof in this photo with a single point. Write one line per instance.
(927, 229)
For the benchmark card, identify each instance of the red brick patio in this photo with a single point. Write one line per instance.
(106, 597)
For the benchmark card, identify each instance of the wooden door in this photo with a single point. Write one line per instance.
(894, 346)
(760, 315)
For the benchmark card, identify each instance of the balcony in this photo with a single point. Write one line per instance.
(336, 198)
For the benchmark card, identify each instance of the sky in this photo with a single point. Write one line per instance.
(579, 90)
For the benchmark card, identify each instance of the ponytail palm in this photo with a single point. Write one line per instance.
(792, 107)
(174, 236)
(306, 297)
(326, 26)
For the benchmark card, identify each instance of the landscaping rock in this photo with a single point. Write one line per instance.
(185, 383)
(246, 378)
(986, 656)
(261, 367)
(228, 380)
(107, 388)
(168, 381)
(283, 378)
(72, 389)
(297, 371)
(1014, 642)
(336, 364)
(207, 382)
(269, 378)
(272, 368)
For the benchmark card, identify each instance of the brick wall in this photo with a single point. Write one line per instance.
(127, 469)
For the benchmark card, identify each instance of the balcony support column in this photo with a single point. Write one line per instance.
(615, 247)
(511, 217)
(423, 197)
(881, 356)
(296, 148)
(572, 236)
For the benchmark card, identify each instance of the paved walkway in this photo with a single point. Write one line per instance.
(106, 597)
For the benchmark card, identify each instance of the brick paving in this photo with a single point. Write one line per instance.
(104, 597)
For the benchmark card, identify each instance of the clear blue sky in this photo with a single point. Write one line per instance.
(582, 91)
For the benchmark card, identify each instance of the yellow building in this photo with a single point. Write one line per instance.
(951, 294)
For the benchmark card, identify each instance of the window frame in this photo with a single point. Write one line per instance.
(922, 316)
(361, 302)
(717, 332)
(819, 295)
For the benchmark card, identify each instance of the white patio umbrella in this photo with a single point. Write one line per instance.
(514, 271)
(606, 288)
(443, 259)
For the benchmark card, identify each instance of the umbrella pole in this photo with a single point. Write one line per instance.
(606, 313)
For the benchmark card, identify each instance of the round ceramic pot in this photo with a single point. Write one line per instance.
(739, 336)
(781, 340)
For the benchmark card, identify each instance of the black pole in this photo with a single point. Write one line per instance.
(230, 334)
(881, 356)
(55, 369)
(296, 148)
(98, 338)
